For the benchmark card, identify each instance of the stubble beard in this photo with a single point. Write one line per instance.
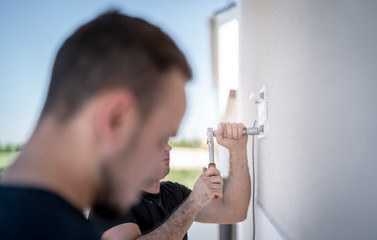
(106, 203)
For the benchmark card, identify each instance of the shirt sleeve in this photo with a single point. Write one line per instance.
(129, 218)
(101, 224)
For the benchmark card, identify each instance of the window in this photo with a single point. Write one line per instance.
(225, 60)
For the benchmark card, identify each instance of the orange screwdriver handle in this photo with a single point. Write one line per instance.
(213, 165)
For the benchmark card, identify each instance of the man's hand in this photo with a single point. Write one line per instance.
(209, 185)
(229, 135)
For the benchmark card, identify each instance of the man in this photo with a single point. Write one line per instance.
(116, 94)
(167, 209)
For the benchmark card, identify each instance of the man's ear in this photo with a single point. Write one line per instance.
(116, 118)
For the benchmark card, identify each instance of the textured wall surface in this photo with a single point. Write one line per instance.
(317, 170)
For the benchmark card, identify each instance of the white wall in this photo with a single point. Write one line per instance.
(317, 170)
(203, 231)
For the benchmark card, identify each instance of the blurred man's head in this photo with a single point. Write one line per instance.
(125, 78)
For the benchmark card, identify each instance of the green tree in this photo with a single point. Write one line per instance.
(9, 148)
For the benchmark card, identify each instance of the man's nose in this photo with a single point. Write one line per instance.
(167, 148)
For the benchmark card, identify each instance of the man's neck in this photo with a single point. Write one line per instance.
(51, 161)
(152, 187)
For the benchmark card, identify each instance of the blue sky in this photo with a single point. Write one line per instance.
(32, 32)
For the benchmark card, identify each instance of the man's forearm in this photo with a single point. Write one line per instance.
(238, 188)
(176, 226)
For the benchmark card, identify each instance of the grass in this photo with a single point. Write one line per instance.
(185, 177)
(6, 159)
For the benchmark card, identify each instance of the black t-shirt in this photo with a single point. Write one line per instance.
(28, 213)
(151, 212)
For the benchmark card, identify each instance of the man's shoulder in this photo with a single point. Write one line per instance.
(178, 190)
(30, 200)
(173, 186)
(35, 213)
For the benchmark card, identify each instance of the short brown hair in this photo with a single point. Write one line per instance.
(113, 50)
